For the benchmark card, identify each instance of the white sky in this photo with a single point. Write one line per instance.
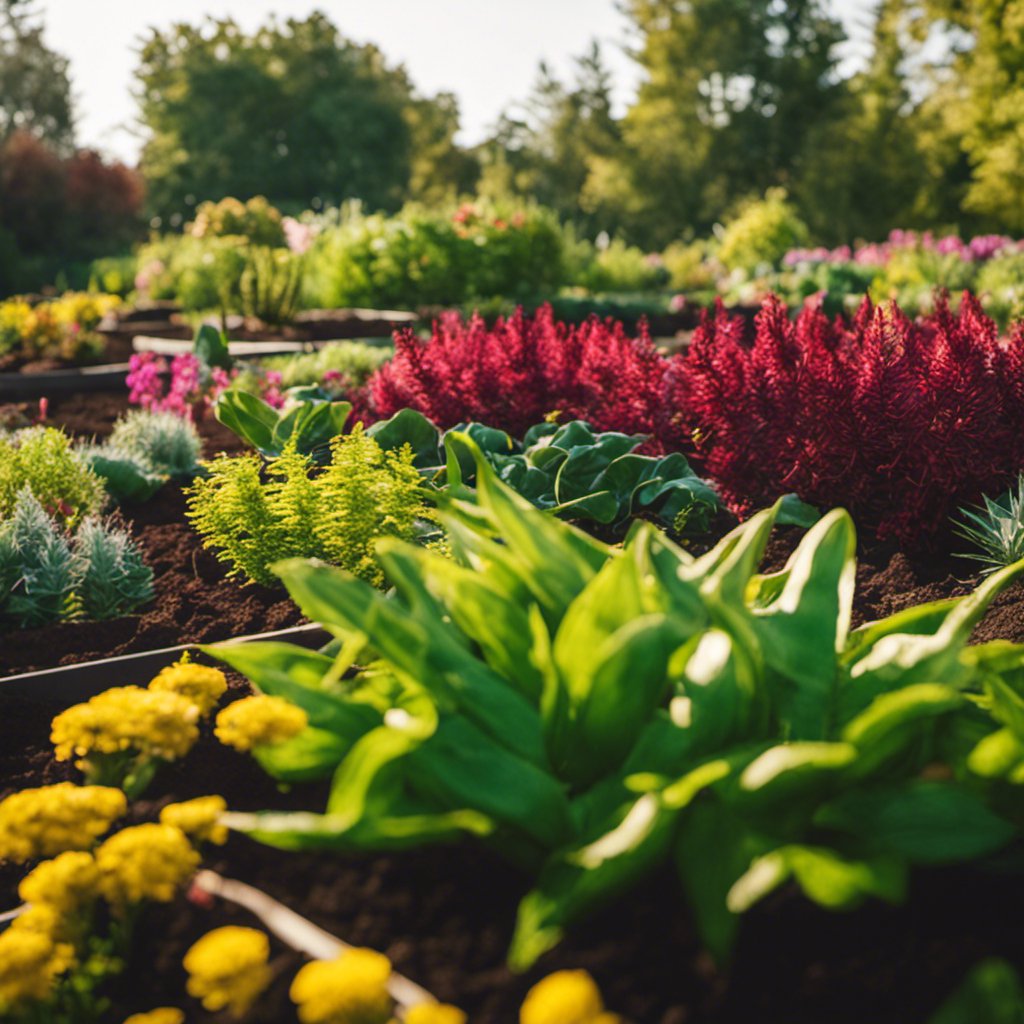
(484, 51)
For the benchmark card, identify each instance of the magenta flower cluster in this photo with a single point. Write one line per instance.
(977, 250)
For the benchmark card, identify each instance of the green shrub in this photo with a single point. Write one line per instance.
(254, 220)
(254, 514)
(763, 233)
(623, 268)
(43, 459)
(592, 711)
(166, 442)
(354, 360)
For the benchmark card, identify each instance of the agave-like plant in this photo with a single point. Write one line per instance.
(997, 527)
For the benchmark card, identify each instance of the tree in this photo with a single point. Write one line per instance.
(733, 91)
(293, 112)
(546, 145)
(35, 91)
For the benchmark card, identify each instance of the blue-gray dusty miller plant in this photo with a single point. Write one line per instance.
(590, 711)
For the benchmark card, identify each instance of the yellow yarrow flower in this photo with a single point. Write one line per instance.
(199, 684)
(161, 1015)
(146, 862)
(65, 883)
(156, 724)
(30, 962)
(353, 989)
(228, 967)
(46, 821)
(198, 818)
(434, 1013)
(564, 997)
(259, 721)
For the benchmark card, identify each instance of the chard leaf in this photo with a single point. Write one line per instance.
(312, 754)
(409, 427)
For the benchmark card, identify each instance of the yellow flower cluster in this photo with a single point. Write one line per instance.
(156, 724)
(201, 685)
(434, 1013)
(565, 997)
(198, 818)
(353, 989)
(161, 1015)
(66, 883)
(228, 968)
(47, 821)
(259, 721)
(32, 957)
(146, 862)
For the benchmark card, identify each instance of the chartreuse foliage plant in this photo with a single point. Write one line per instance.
(254, 514)
(59, 476)
(591, 711)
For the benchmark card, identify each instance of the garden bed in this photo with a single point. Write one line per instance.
(445, 916)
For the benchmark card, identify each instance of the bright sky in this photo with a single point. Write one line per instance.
(484, 51)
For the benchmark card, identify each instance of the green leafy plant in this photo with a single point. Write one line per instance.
(354, 361)
(254, 514)
(591, 711)
(46, 575)
(270, 284)
(308, 421)
(58, 475)
(144, 450)
(997, 528)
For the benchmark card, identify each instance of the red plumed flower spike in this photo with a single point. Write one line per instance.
(899, 422)
(522, 370)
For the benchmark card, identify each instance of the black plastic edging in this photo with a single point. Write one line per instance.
(80, 682)
(110, 377)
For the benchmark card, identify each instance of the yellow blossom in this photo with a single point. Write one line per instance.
(30, 960)
(565, 997)
(201, 685)
(228, 967)
(349, 990)
(47, 821)
(259, 721)
(64, 883)
(156, 724)
(161, 1015)
(198, 818)
(434, 1013)
(147, 862)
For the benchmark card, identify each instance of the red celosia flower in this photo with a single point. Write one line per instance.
(513, 376)
(898, 422)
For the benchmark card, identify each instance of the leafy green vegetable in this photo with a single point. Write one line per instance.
(591, 711)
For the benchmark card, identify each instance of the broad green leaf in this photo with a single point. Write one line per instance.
(998, 755)
(410, 427)
(252, 419)
(558, 560)
(826, 877)
(312, 754)
(895, 659)
(804, 628)
(426, 655)
(578, 878)
(461, 767)
(713, 850)
(286, 670)
(927, 822)
(492, 618)
(210, 346)
(991, 994)
(794, 512)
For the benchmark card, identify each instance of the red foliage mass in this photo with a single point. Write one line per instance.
(511, 377)
(900, 422)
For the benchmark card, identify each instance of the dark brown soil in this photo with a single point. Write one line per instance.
(445, 915)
